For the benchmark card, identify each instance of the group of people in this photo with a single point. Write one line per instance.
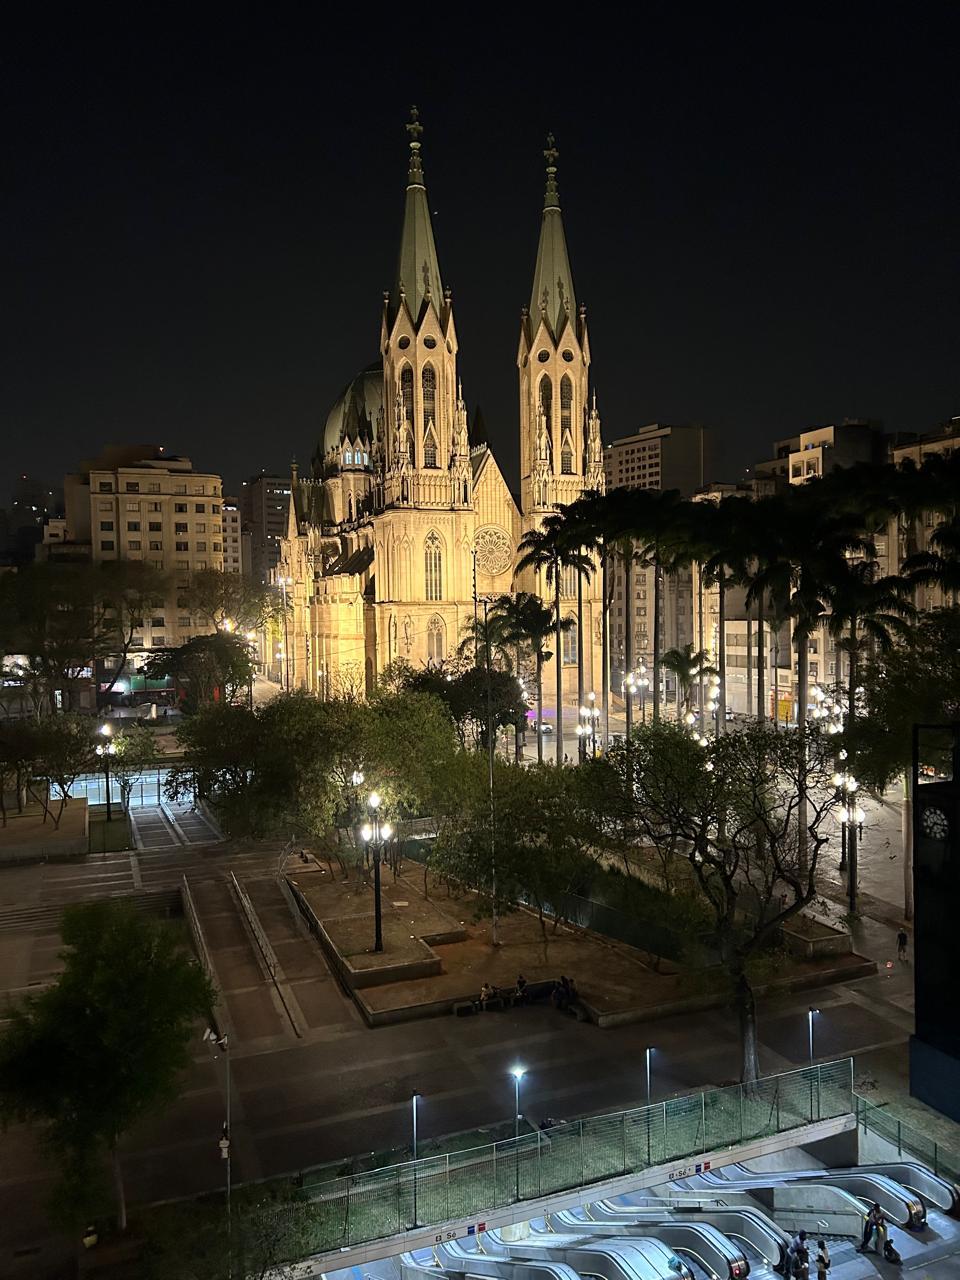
(518, 994)
(800, 1258)
(564, 993)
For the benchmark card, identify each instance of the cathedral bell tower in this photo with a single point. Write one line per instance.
(424, 460)
(559, 456)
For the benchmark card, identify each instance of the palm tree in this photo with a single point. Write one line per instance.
(865, 613)
(688, 667)
(724, 535)
(547, 550)
(522, 622)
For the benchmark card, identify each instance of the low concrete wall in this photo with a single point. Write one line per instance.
(822, 940)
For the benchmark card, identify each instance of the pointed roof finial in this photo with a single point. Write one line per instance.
(551, 199)
(415, 129)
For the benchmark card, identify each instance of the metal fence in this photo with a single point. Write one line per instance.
(908, 1141)
(470, 1184)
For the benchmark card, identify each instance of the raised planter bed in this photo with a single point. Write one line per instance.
(811, 938)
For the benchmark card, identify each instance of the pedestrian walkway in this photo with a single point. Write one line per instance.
(171, 825)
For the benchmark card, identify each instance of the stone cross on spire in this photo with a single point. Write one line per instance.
(415, 129)
(551, 199)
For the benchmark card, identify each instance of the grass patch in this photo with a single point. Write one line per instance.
(109, 837)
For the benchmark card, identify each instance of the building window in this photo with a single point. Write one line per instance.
(183, 564)
(181, 546)
(201, 546)
(199, 527)
(155, 526)
(436, 635)
(106, 526)
(106, 544)
(216, 546)
(183, 621)
(180, 489)
(569, 643)
(106, 486)
(156, 546)
(181, 527)
(133, 526)
(215, 508)
(134, 544)
(105, 506)
(200, 564)
(568, 582)
(156, 622)
(546, 401)
(566, 459)
(429, 386)
(133, 506)
(133, 486)
(156, 506)
(406, 392)
(566, 403)
(153, 487)
(159, 641)
(200, 508)
(430, 450)
(180, 508)
(433, 567)
(348, 458)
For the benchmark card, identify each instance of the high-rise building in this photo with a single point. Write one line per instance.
(264, 511)
(655, 457)
(235, 545)
(140, 503)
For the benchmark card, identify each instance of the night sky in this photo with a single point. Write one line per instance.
(198, 223)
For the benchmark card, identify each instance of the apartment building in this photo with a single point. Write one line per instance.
(264, 506)
(236, 544)
(141, 503)
(662, 457)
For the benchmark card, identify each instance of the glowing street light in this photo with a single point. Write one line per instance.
(105, 750)
(376, 833)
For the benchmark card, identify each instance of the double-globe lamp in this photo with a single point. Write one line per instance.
(375, 833)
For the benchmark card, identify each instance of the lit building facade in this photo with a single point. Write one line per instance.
(405, 520)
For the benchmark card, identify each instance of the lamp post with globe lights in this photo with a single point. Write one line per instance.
(587, 727)
(105, 750)
(375, 834)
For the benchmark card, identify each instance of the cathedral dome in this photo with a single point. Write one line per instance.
(356, 410)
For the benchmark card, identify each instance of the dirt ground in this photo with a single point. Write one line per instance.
(610, 977)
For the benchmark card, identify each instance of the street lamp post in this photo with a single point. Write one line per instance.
(105, 750)
(518, 1073)
(811, 1014)
(648, 1054)
(376, 833)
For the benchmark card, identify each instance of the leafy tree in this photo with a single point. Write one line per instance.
(687, 667)
(205, 669)
(105, 1045)
(916, 681)
(469, 697)
(732, 810)
(229, 598)
(19, 740)
(135, 751)
(64, 747)
(220, 746)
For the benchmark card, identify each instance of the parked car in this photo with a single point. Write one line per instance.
(544, 726)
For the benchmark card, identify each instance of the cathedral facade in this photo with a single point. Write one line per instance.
(405, 520)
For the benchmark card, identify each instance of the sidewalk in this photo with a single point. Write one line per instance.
(882, 1074)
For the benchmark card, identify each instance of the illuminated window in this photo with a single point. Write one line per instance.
(566, 403)
(436, 637)
(569, 643)
(429, 387)
(546, 401)
(406, 392)
(430, 450)
(433, 567)
(348, 458)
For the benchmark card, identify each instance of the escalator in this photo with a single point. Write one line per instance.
(707, 1246)
(749, 1226)
(604, 1259)
(900, 1206)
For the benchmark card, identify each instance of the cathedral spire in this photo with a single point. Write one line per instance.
(552, 295)
(418, 271)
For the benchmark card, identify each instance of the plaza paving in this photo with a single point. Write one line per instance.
(342, 1089)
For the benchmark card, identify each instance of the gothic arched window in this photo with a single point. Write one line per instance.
(348, 458)
(436, 640)
(546, 401)
(430, 450)
(433, 567)
(569, 642)
(568, 581)
(566, 403)
(566, 456)
(429, 383)
(406, 392)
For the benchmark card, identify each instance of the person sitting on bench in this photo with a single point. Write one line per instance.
(486, 994)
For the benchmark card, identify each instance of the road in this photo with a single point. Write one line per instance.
(343, 1089)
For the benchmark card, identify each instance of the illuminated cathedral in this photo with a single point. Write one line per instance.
(405, 519)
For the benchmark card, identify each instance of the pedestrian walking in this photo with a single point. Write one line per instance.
(874, 1223)
(902, 941)
(823, 1260)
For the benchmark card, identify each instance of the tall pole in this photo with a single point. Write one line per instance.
(703, 722)
(605, 648)
(495, 920)
(106, 771)
(630, 620)
(516, 1127)
(414, 1105)
(649, 1051)
(377, 909)
(810, 1015)
(581, 745)
(476, 620)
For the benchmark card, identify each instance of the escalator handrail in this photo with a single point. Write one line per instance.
(912, 1210)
